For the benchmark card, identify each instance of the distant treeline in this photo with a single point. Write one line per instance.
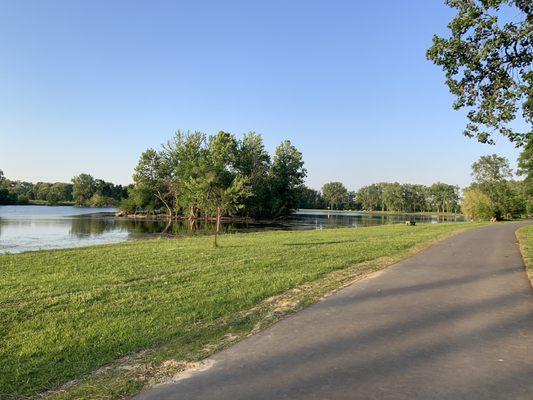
(84, 191)
(493, 193)
(394, 197)
(194, 175)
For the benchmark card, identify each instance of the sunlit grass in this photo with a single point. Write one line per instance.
(65, 313)
(525, 236)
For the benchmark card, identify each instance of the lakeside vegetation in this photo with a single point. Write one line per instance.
(69, 312)
(493, 193)
(84, 191)
(195, 176)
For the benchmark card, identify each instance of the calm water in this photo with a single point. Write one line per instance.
(26, 228)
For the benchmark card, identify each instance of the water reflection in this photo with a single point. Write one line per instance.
(25, 228)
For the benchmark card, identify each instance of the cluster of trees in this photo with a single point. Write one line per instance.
(494, 193)
(198, 176)
(90, 192)
(395, 197)
(83, 191)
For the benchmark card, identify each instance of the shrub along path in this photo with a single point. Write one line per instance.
(452, 322)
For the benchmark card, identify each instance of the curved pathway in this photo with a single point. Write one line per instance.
(452, 322)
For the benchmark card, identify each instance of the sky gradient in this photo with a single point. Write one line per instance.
(87, 86)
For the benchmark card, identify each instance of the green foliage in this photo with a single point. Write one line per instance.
(311, 198)
(477, 206)
(370, 197)
(525, 168)
(525, 161)
(195, 175)
(59, 192)
(286, 177)
(253, 162)
(98, 200)
(510, 199)
(83, 189)
(443, 197)
(396, 197)
(335, 194)
(20, 192)
(90, 192)
(487, 61)
(66, 313)
(490, 169)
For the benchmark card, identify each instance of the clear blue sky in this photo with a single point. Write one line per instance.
(87, 86)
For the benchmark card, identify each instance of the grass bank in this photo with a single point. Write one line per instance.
(525, 237)
(110, 320)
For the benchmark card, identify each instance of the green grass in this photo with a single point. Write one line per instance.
(66, 313)
(525, 236)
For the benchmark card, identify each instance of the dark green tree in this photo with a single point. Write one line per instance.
(335, 194)
(311, 198)
(286, 176)
(153, 180)
(83, 188)
(253, 162)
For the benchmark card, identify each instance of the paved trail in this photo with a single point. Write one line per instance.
(453, 322)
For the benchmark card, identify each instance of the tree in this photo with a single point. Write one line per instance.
(286, 177)
(491, 169)
(310, 198)
(492, 176)
(59, 192)
(370, 197)
(152, 177)
(487, 62)
(444, 197)
(525, 162)
(228, 200)
(525, 168)
(187, 158)
(83, 188)
(393, 197)
(476, 205)
(253, 162)
(335, 194)
(5, 197)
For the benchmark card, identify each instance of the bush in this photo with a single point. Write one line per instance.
(477, 206)
(127, 205)
(97, 200)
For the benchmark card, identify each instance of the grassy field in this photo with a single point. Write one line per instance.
(146, 310)
(525, 236)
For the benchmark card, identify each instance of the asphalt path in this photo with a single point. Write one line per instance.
(452, 322)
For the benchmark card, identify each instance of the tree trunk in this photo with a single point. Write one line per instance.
(218, 227)
(167, 227)
(160, 197)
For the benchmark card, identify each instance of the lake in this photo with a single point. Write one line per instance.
(27, 228)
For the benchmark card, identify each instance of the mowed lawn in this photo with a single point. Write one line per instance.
(65, 313)
(525, 236)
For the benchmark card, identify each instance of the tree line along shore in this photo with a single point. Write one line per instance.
(216, 177)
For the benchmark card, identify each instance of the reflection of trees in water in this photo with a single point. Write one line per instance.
(88, 226)
(91, 226)
(97, 226)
